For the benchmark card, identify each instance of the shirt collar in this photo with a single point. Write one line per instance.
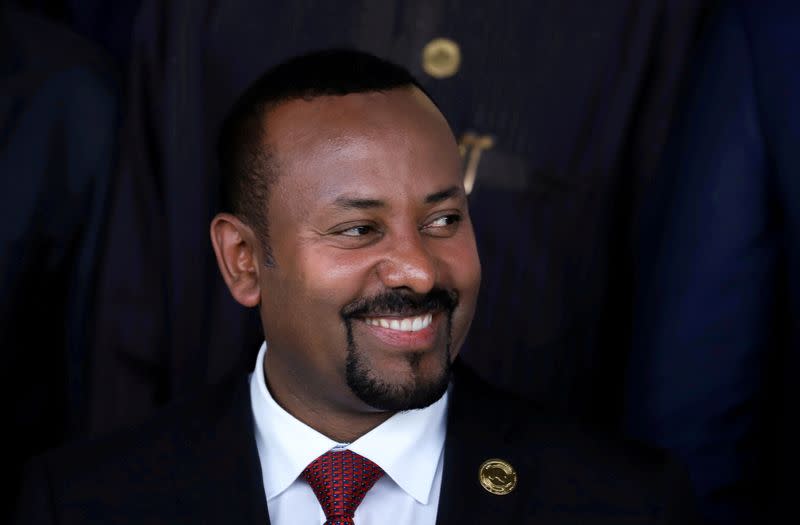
(407, 446)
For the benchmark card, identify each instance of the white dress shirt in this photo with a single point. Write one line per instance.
(409, 447)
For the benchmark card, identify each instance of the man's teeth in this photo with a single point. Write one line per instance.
(406, 324)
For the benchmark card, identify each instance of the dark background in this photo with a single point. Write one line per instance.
(637, 216)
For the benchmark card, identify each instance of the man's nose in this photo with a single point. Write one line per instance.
(408, 264)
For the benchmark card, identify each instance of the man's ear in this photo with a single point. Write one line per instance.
(236, 248)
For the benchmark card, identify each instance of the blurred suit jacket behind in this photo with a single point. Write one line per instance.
(576, 93)
(713, 373)
(58, 123)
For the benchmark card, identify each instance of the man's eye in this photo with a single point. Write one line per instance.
(357, 231)
(444, 221)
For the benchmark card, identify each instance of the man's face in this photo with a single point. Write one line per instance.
(376, 270)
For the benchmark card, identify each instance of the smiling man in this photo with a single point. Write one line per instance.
(356, 244)
(347, 226)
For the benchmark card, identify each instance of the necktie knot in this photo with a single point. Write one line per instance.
(340, 479)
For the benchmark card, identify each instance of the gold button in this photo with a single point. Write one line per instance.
(497, 476)
(441, 58)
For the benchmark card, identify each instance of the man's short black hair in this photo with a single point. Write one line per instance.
(246, 165)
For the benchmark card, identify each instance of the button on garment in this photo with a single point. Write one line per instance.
(441, 58)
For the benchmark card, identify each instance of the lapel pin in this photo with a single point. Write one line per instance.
(497, 476)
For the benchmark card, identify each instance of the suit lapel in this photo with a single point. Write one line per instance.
(477, 430)
(218, 474)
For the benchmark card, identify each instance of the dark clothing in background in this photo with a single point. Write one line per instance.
(713, 373)
(198, 463)
(107, 24)
(58, 119)
(578, 95)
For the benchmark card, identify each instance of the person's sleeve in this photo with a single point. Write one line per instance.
(680, 506)
(127, 373)
(706, 286)
(35, 505)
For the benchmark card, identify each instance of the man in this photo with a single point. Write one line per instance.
(347, 226)
(575, 96)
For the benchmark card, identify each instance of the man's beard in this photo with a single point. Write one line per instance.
(419, 392)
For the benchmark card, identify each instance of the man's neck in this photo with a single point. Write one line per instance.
(337, 421)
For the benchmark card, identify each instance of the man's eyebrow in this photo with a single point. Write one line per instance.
(356, 203)
(440, 196)
(360, 203)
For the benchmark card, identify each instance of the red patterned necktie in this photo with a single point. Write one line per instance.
(341, 479)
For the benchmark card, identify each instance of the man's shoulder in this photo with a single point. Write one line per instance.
(518, 421)
(199, 450)
(562, 466)
(181, 423)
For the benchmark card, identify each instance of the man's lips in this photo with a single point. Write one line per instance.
(409, 333)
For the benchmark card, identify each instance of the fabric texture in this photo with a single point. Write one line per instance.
(59, 114)
(340, 479)
(713, 371)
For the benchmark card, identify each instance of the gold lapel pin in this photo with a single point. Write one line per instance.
(497, 476)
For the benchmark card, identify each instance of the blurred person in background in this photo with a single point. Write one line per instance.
(713, 373)
(58, 124)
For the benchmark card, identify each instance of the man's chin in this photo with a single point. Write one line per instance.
(419, 389)
(396, 399)
(394, 378)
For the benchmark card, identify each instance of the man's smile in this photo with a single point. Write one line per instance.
(407, 333)
(403, 324)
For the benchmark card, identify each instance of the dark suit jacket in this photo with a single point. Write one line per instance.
(718, 295)
(58, 118)
(197, 463)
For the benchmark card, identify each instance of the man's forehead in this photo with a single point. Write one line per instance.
(353, 131)
(335, 119)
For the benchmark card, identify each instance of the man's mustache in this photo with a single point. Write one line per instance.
(402, 304)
